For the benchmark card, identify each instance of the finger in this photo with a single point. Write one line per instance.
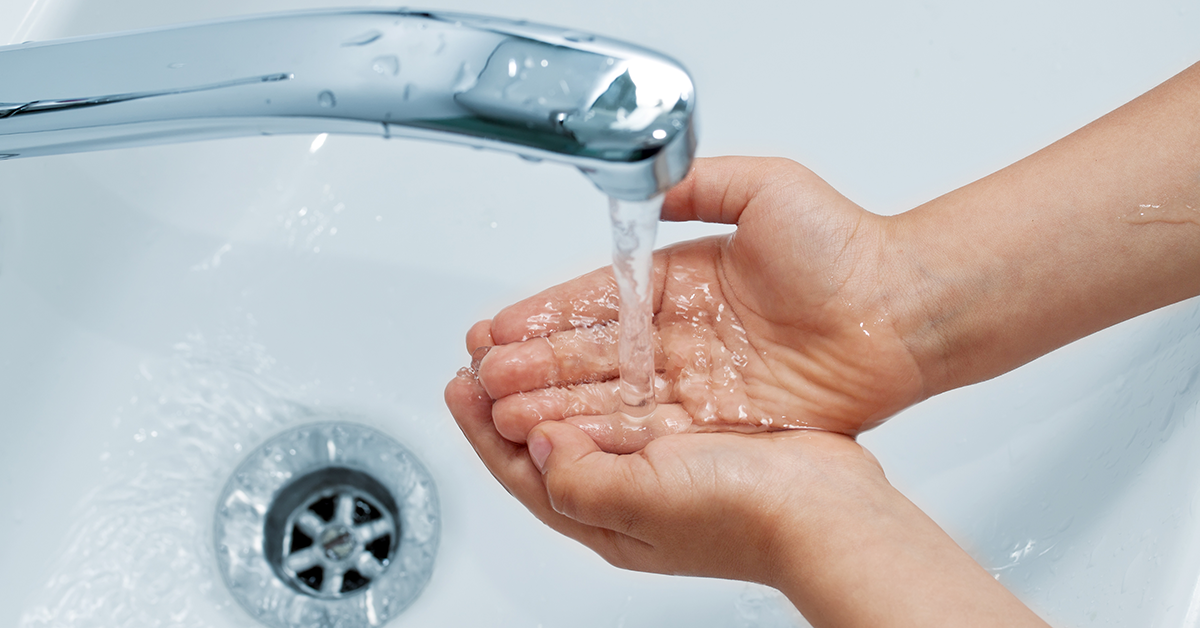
(480, 335)
(512, 467)
(561, 359)
(515, 415)
(582, 302)
(718, 189)
(472, 410)
(618, 433)
(594, 408)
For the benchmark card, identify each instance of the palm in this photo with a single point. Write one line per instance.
(781, 325)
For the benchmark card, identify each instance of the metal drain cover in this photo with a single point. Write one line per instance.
(329, 524)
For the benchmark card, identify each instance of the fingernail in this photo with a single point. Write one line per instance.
(539, 449)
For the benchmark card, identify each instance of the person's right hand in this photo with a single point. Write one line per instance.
(807, 512)
(787, 322)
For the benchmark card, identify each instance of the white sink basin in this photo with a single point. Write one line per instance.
(165, 310)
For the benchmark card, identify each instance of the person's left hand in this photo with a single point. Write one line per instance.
(798, 319)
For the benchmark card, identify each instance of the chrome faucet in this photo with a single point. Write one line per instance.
(620, 113)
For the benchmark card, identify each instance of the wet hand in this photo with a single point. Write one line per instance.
(808, 512)
(723, 505)
(788, 322)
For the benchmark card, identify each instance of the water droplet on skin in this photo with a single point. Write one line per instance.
(327, 99)
(363, 39)
(387, 65)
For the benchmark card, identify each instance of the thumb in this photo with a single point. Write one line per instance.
(586, 483)
(553, 447)
(718, 188)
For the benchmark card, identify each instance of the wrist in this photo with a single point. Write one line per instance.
(924, 305)
(856, 552)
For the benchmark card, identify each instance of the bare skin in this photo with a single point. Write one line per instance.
(807, 512)
(848, 317)
(738, 349)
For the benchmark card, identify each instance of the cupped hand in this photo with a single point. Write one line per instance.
(808, 512)
(788, 322)
(722, 504)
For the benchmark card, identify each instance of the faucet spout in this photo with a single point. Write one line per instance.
(621, 114)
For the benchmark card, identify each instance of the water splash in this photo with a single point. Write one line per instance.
(139, 551)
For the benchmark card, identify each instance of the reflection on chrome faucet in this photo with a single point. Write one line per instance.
(620, 113)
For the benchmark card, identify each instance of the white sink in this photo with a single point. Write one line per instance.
(165, 310)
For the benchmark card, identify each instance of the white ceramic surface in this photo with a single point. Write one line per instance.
(163, 310)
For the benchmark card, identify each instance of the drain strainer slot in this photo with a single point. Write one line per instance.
(319, 516)
(331, 533)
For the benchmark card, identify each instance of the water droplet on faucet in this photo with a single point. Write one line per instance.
(327, 99)
(363, 39)
(578, 37)
(387, 65)
(175, 66)
(466, 78)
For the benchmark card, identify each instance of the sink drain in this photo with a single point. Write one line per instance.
(331, 524)
(331, 533)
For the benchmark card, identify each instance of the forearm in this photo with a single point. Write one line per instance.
(1095, 229)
